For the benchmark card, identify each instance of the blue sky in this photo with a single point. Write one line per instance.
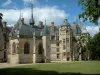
(69, 6)
(52, 10)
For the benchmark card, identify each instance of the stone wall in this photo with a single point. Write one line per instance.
(13, 59)
(1, 56)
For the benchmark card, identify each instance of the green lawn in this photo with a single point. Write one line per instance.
(70, 68)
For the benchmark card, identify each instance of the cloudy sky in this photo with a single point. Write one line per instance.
(51, 10)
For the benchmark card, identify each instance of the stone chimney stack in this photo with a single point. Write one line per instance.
(52, 26)
(4, 24)
(22, 21)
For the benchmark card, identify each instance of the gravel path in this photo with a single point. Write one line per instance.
(6, 65)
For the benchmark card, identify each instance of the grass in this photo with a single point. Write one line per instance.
(70, 68)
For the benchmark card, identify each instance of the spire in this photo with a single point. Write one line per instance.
(20, 14)
(21, 18)
(45, 30)
(32, 19)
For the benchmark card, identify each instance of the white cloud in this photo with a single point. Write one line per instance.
(64, 5)
(40, 14)
(47, 0)
(35, 2)
(92, 30)
(99, 20)
(7, 3)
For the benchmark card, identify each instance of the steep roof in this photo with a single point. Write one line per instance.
(25, 30)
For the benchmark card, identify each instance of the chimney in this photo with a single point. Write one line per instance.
(52, 26)
(22, 21)
(52, 23)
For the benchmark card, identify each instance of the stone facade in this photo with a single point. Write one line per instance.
(1, 41)
(49, 43)
(66, 47)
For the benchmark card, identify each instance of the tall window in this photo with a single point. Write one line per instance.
(64, 41)
(57, 49)
(14, 47)
(67, 40)
(58, 56)
(57, 43)
(57, 38)
(63, 46)
(26, 48)
(64, 54)
(40, 48)
(53, 37)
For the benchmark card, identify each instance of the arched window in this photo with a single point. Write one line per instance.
(40, 48)
(26, 48)
(14, 47)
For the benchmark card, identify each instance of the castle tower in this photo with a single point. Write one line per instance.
(52, 27)
(65, 36)
(40, 24)
(46, 44)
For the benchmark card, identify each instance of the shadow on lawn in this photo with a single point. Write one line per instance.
(31, 71)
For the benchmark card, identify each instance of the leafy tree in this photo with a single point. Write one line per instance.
(91, 10)
(1, 15)
(94, 47)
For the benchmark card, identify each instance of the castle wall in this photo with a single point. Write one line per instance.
(13, 58)
(1, 56)
(53, 52)
(1, 46)
(46, 47)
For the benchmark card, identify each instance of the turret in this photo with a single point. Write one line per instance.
(40, 24)
(52, 27)
(46, 47)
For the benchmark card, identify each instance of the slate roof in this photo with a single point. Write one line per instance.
(76, 29)
(25, 30)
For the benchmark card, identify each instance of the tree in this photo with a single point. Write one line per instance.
(91, 10)
(94, 47)
(1, 15)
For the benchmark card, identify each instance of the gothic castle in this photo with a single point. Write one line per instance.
(30, 43)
